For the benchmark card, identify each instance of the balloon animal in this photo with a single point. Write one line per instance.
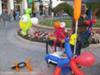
(25, 22)
(70, 62)
(86, 59)
(59, 34)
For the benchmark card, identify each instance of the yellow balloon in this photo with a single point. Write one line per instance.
(72, 39)
(25, 22)
(22, 25)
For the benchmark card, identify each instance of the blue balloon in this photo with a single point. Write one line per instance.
(63, 62)
(66, 70)
(51, 57)
(89, 14)
(90, 18)
(68, 50)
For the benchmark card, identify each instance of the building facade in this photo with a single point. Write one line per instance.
(21, 5)
(11, 5)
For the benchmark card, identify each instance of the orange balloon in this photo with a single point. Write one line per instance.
(57, 71)
(56, 24)
(77, 9)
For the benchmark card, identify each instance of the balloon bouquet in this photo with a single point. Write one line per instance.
(71, 62)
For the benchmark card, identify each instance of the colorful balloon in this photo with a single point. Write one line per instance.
(63, 24)
(57, 71)
(87, 22)
(28, 11)
(25, 22)
(93, 21)
(35, 20)
(86, 59)
(75, 68)
(56, 24)
(68, 50)
(77, 9)
(72, 39)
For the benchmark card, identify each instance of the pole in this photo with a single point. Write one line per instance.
(76, 30)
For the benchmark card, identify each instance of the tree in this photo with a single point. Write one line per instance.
(65, 7)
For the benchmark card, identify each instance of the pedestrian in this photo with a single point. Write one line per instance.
(11, 15)
(5, 18)
(16, 15)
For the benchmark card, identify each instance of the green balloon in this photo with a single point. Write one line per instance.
(28, 11)
(27, 25)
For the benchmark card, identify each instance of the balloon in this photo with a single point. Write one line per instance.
(93, 21)
(56, 24)
(87, 22)
(63, 24)
(25, 22)
(35, 20)
(24, 18)
(74, 68)
(89, 14)
(72, 39)
(86, 59)
(57, 71)
(68, 50)
(52, 57)
(28, 11)
(62, 62)
(22, 24)
(66, 70)
(77, 9)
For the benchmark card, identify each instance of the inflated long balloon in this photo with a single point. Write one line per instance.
(88, 61)
(68, 50)
(75, 68)
(77, 12)
(92, 21)
(57, 71)
(77, 9)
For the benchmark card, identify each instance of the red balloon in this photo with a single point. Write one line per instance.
(93, 21)
(75, 68)
(87, 22)
(86, 59)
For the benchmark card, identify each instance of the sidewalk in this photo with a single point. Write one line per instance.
(14, 48)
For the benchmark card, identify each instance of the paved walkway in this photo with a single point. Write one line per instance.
(13, 48)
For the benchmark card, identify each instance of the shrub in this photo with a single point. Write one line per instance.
(64, 7)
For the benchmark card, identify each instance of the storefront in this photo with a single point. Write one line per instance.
(20, 5)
